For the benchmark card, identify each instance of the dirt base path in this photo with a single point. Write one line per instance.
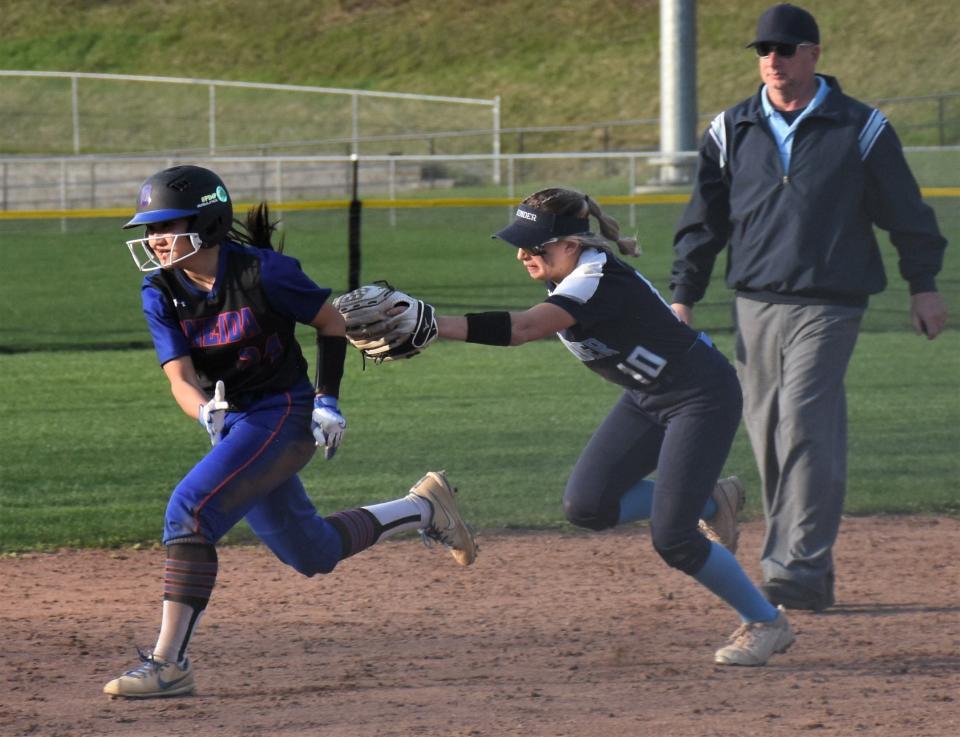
(548, 634)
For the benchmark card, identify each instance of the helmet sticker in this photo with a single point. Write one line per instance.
(219, 195)
(145, 195)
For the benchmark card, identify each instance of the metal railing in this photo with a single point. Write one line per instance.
(214, 88)
(69, 187)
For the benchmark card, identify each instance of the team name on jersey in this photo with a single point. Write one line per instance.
(589, 350)
(223, 329)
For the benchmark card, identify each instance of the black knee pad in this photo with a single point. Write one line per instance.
(189, 575)
(196, 552)
(685, 554)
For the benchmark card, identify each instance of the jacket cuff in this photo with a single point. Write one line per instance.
(684, 296)
(922, 284)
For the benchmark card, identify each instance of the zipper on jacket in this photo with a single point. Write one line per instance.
(786, 179)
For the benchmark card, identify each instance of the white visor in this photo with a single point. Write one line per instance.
(147, 259)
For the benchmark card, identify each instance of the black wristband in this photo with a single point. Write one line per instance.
(489, 328)
(331, 353)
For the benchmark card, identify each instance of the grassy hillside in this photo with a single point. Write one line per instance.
(552, 62)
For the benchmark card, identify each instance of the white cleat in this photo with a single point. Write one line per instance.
(754, 643)
(153, 678)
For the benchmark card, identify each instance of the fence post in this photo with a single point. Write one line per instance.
(940, 116)
(606, 148)
(279, 176)
(75, 111)
(213, 120)
(496, 140)
(263, 175)
(519, 151)
(355, 124)
(63, 194)
(392, 189)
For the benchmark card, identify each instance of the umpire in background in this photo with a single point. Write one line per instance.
(793, 179)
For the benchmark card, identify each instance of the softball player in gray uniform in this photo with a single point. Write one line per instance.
(677, 416)
(222, 306)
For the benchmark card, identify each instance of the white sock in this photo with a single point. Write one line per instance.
(409, 513)
(176, 626)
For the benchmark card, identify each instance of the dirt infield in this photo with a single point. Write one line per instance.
(548, 634)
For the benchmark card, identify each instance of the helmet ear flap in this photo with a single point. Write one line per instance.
(216, 230)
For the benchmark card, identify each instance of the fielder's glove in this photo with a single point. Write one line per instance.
(386, 324)
(213, 413)
(327, 424)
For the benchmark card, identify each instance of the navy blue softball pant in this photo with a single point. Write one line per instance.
(682, 429)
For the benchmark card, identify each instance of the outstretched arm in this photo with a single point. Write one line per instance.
(506, 328)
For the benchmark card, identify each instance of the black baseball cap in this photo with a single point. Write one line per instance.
(531, 227)
(786, 24)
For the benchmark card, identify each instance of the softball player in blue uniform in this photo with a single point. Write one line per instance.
(222, 306)
(677, 416)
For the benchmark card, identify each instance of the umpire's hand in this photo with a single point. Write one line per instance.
(928, 312)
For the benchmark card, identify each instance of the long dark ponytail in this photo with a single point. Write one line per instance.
(257, 230)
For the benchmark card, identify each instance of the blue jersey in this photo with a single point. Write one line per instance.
(242, 331)
(625, 331)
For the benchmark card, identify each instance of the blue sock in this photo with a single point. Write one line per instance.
(636, 502)
(723, 575)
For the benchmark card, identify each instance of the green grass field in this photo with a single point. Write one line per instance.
(93, 443)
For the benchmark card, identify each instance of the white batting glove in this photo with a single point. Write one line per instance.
(213, 413)
(327, 424)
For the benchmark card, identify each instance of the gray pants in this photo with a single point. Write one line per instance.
(791, 360)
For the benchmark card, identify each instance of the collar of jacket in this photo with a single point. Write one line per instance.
(751, 112)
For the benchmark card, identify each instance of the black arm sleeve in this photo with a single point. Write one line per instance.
(331, 353)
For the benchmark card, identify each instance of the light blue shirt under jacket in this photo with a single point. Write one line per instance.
(782, 130)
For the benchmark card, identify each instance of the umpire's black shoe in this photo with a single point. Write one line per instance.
(792, 595)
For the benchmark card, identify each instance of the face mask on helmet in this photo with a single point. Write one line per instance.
(149, 254)
(181, 192)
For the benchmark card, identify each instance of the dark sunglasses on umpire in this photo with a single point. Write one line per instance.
(784, 51)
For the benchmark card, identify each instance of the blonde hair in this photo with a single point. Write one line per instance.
(570, 202)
